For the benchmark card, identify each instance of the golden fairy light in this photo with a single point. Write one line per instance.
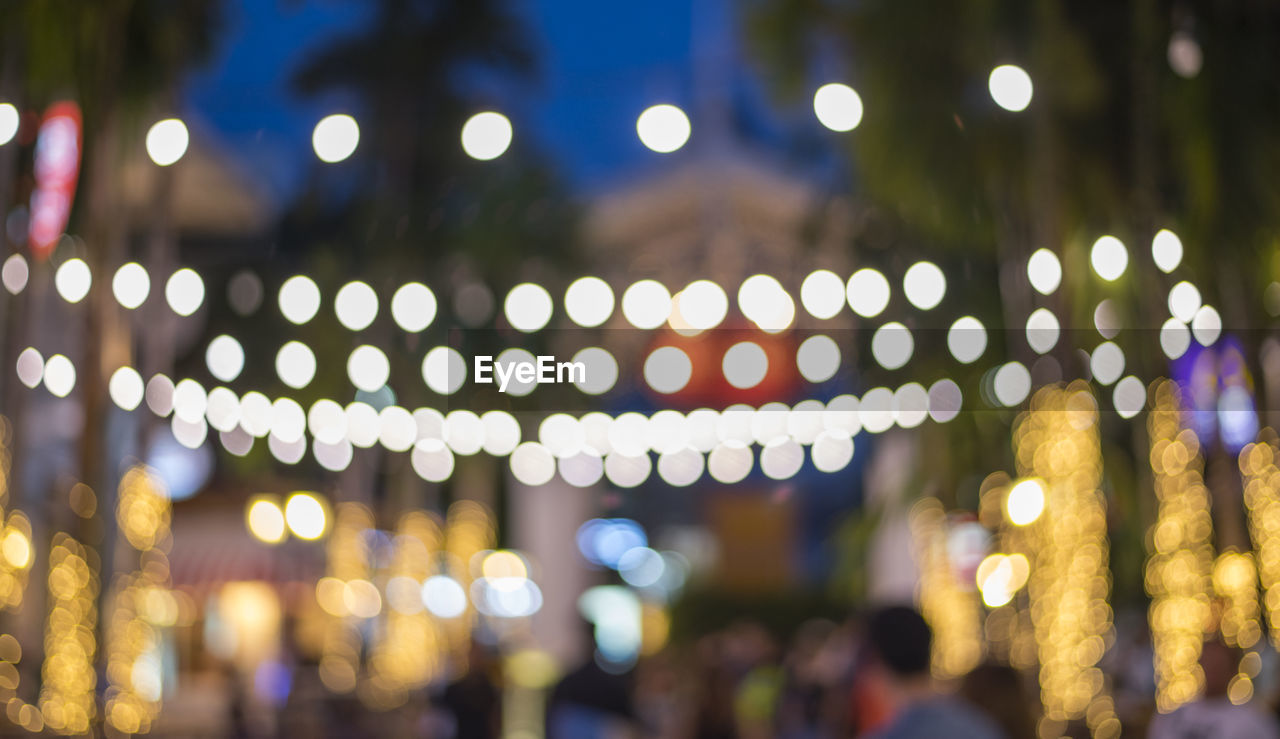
(1179, 573)
(347, 595)
(1262, 501)
(469, 530)
(1235, 582)
(69, 679)
(1064, 522)
(951, 608)
(409, 653)
(140, 607)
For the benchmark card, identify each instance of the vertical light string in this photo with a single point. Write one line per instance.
(67, 699)
(950, 607)
(408, 654)
(141, 606)
(1179, 568)
(469, 530)
(1057, 442)
(1262, 503)
(344, 594)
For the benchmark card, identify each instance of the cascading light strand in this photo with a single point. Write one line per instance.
(1179, 568)
(951, 610)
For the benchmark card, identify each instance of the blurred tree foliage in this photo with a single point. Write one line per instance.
(1115, 141)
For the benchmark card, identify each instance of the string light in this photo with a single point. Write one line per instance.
(1178, 572)
(1057, 442)
(67, 691)
(951, 610)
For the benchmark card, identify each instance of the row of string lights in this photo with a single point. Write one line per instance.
(487, 135)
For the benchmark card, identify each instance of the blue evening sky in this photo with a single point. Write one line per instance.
(600, 65)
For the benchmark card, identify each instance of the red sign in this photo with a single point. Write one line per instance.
(57, 166)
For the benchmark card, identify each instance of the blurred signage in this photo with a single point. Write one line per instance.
(57, 164)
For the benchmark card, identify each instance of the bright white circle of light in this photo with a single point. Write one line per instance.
(924, 285)
(288, 420)
(356, 305)
(1025, 502)
(1129, 397)
(601, 370)
(430, 423)
(875, 410)
(703, 304)
(225, 358)
(1166, 250)
(818, 358)
(9, 121)
(668, 369)
(730, 462)
(335, 137)
(1042, 330)
(667, 431)
(368, 368)
(72, 280)
(126, 388)
(299, 299)
(305, 515)
(646, 304)
(532, 464)
(945, 400)
(910, 405)
(413, 307)
(588, 301)
(561, 434)
(131, 285)
(734, 424)
(362, 424)
(190, 401)
(867, 292)
(838, 107)
(1184, 301)
(1175, 338)
(223, 409)
(444, 596)
(663, 128)
(1107, 363)
(184, 291)
(1106, 318)
(255, 412)
(167, 141)
(1206, 326)
(628, 434)
(444, 370)
(745, 364)
(627, 471)
(804, 423)
(1109, 258)
(595, 429)
(397, 428)
(334, 457)
(296, 364)
(781, 458)
(682, 467)
(501, 432)
(1012, 383)
(327, 421)
(237, 441)
(822, 294)
(892, 345)
(59, 375)
(432, 460)
(967, 339)
(15, 273)
(764, 301)
(831, 452)
(486, 135)
(769, 422)
(1010, 87)
(528, 307)
(581, 470)
(190, 434)
(842, 415)
(159, 395)
(510, 359)
(1044, 270)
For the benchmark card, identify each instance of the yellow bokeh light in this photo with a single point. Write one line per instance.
(265, 521)
(306, 516)
(503, 564)
(16, 549)
(1025, 502)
